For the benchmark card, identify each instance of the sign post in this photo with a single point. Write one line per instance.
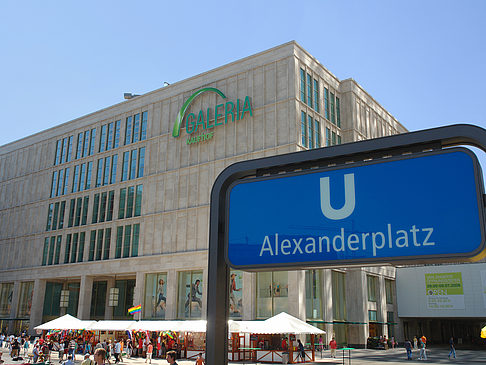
(397, 199)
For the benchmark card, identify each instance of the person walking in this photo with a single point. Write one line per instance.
(301, 350)
(87, 360)
(423, 354)
(333, 346)
(171, 357)
(117, 351)
(100, 356)
(69, 360)
(150, 349)
(453, 349)
(415, 342)
(408, 347)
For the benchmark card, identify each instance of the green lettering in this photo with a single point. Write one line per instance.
(200, 120)
(229, 111)
(237, 109)
(217, 115)
(246, 107)
(208, 126)
(188, 123)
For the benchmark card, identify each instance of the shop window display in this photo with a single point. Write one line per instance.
(155, 296)
(190, 294)
(236, 294)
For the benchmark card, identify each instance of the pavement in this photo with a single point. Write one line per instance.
(358, 357)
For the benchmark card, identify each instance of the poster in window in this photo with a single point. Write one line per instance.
(155, 296)
(444, 291)
(236, 294)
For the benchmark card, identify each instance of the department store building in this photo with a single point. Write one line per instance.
(111, 210)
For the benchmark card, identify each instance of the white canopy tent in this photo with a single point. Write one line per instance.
(285, 323)
(111, 325)
(66, 322)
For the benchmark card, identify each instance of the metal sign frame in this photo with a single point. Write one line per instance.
(368, 150)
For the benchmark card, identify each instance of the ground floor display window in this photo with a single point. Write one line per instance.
(72, 307)
(236, 294)
(25, 300)
(189, 298)
(126, 290)
(155, 296)
(52, 298)
(98, 300)
(6, 294)
(313, 298)
(272, 293)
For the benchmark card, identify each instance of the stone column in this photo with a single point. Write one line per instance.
(297, 294)
(110, 283)
(85, 294)
(37, 304)
(138, 295)
(381, 305)
(357, 307)
(249, 296)
(327, 313)
(171, 305)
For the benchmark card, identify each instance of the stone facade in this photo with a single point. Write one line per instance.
(177, 181)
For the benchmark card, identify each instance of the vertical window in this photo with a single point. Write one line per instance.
(54, 184)
(114, 161)
(119, 242)
(51, 250)
(109, 142)
(333, 138)
(60, 182)
(99, 244)
(82, 236)
(272, 293)
(106, 173)
(111, 201)
(75, 178)
(122, 202)
(189, 298)
(58, 250)
(103, 138)
(85, 211)
(55, 215)
(310, 124)
(99, 172)
(328, 137)
(72, 205)
(126, 242)
(326, 103)
(79, 150)
(136, 235)
(126, 158)
(304, 129)
(116, 142)
(138, 201)
(46, 250)
(333, 112)
(64, 150)
(70, 149)
(88, 175)
(309, 91)
(92, 242)
(103, 207)
(96, 207)
(93, 139)
(143, 128)
(86, 143)
(58, 152)
(131, 193)
(61, 214)
(313, 296)
(338, 296)
(67, 248)
(66, 180)
(155, 288)
(77, 219)
(128, 131)
(133, 165)
(106, 252)
(50, 211)
(318, 133)
(136, 127)
(316, 96)
(389, 291)
(302, 85)
(338, 113)
(371, 287)
(141, 162)
(339, 139)
(82, 177)
(74, 248)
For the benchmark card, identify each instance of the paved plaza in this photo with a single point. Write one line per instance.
(361, 356)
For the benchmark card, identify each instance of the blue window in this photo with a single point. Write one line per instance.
(106, 173)
(133, 165)
(66, 180)
(79, 150)
(304, 129)
(50, 211)
(126, 158)
(114, 161)
(316, 95)
(338, 113)
(109, 142)
(117, 134)
(82, 177)
(61, 214)
(93, 139)
(64, 150)
(99, 172)
(103, 138)
(54, 184)
(55, 216)
(136, 127)
(326, 103)
(60, 182)
(333, 113)
(310, 124)
(88, 175)
(96, 208)
(70, 149)
(339, 139)
(309, 91)
(141, 162)
(128, 131)
(46, 250)
(318, 133)
(328, 137)
(143, 130)
(302, 85)
(75, 178)
(333, 138)
(86, 144)
(58, 152)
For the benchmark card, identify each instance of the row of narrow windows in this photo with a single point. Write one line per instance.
(311, 133)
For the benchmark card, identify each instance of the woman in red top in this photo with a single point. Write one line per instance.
(333, 346)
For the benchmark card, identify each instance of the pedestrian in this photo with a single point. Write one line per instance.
(100, 356)
(117, 351)
(333, 346)
(171, 357)
(87, 360)
(393, 342)
(415, 341)
(26, 346)
(150, 349)
(408, 347)
(423, 354)
(35, 352)
(72, 349)
(321, 344)
(453, 350)
(200, 360)
(69, 360)
(301, 350)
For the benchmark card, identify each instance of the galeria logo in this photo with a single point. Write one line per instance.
(228, 110)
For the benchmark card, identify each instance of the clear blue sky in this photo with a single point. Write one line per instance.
(424, 61)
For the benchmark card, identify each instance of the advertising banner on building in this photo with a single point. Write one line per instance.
(444, 290)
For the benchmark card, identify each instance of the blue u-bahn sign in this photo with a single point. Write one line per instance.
(422, 206)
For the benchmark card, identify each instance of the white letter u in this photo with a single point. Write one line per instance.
(349, 198)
